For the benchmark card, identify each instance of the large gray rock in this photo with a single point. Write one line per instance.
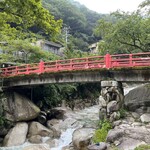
(138, 133)
(102, 102)
(17, 135)
(129, 144)
(55, 125)
(114, 135)
(145, 118)
(82, 138)
(138, 99)
(20, 108)
(112, 106)
(35, 128)
(35, 139)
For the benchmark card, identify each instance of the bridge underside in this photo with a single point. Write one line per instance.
(123, 75)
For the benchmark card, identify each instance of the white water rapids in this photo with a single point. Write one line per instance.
(87, 116)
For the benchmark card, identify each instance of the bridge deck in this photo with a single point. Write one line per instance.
(123, 67)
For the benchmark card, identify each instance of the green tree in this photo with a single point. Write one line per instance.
(22, 51)
(146, 6)
(129, 33)
(19, 19)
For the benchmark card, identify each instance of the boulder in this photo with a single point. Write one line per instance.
(57, 113)
(17, 135)
(35, 128)
(145, 118)
(112, 106)
(102, 102)
(114, 116)
(52, 143)
(129, 144)
(138, 133)
(20, 108)
(53, 122)
(82, 138)
(35, 139)
(56, 132)
(114, 135)
(138, 99)
(54, 125)
(36, 147)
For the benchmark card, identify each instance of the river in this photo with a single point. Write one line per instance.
(85, 117)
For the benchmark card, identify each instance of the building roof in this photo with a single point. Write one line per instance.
(53, 44)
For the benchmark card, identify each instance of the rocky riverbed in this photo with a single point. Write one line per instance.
(74, 129)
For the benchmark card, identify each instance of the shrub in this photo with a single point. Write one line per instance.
(101, 134)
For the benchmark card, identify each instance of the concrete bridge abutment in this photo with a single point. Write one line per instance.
(111, 100)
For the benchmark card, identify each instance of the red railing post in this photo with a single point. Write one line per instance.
(57, 66)
(27, 69)
(16, 70)
(130, 60)
(6, 71)
(108, 61)
(41, 67)
(87, 63)
(71, 67)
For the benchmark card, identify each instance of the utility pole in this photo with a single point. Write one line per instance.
(66, 32)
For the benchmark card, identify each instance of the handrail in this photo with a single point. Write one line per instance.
(96, 62)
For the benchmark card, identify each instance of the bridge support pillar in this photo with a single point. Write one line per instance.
(110, 100)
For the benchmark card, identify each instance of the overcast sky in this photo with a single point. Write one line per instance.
(107, 6)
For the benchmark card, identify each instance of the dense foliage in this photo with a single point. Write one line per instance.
(128, 34)
(48, 96)
(19, 19)
(79, 20)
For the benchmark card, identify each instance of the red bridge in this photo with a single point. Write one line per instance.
(121, 67)
(97, 62)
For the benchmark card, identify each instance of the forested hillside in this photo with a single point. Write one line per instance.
(79, 20)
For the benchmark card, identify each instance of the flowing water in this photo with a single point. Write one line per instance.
(85, 117)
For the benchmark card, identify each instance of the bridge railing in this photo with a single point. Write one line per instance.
(97, 62)
(130, 60)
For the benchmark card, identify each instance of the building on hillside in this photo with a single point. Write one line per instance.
(50, 47)
(93, 48)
